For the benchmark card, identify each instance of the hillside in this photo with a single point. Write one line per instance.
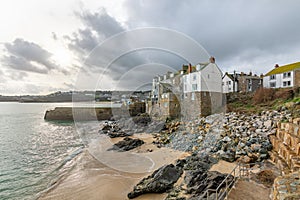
(265, 99)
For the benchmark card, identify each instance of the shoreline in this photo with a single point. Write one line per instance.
(91, 179)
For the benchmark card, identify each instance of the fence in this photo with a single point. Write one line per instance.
(238, 172)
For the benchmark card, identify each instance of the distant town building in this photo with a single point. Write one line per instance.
(191, 92)
(283, 76)
(241, 82)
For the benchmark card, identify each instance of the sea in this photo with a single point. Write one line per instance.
(34, 153)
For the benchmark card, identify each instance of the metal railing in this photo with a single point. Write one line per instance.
(222, 191)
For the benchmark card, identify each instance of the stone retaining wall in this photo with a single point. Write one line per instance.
(286, 146)
(286, 154)
(287, 187)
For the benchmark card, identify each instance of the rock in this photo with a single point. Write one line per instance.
(160, 181)
(142, 119)
(258, 131)
(206, 181)
(118, 134)
(127, 144)
(268, 124)
(255, 147)
(226, 139)
(228, 156)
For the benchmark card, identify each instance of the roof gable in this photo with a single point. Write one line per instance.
(284, 68)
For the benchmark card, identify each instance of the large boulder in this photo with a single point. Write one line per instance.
(210, 180)
(127, 144)
(160, 181)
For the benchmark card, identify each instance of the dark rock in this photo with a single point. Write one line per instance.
(228, 156)
(160, 181)
(142, 119)
(127, 144)
(118, 134)
(209, 180)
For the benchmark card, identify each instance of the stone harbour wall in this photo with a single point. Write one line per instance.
(79, 113)
(94, 113)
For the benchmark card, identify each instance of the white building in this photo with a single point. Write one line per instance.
(206, 78)
(283, 76)
(228, 83)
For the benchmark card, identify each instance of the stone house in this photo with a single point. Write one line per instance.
(191, 92)
(241, 82)
(283, 76)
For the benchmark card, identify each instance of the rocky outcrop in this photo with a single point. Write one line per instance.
(112, 129)
(160, 181)
(127, 144)
(231, 136)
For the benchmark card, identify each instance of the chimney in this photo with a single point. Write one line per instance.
(276, 66)
(190, 68)
(250, 73)
(212, 59)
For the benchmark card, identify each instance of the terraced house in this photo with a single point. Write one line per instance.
(283, 76)
(191, 92)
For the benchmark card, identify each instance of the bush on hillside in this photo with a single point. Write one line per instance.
(263, 95)
(284, 94)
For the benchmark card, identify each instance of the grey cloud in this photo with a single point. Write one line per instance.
(82, 42)
(101, 22)
(28, 56)
(20, 63)
(98, 26)
(17, 75)
(245, 29)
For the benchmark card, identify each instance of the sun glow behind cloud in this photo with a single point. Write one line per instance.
(62, 56)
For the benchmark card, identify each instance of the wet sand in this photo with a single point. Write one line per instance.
(93, 180)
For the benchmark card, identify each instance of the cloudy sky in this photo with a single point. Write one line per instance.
(48, 46)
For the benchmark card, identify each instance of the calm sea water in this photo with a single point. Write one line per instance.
(33, 153)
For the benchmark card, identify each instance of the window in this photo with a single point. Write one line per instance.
(286, 74)
(208, 76)
(273, 77)
(194, 87)
(229, 82)
(185, 95)
(194, 77)
(286, 83)
(223, 83)
(193, 96)
(272, 85)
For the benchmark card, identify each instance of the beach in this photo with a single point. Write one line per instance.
(91, 179)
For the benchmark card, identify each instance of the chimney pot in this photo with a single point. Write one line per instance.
(212, 59)
(276, 66)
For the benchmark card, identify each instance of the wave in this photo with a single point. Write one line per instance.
(58, 174)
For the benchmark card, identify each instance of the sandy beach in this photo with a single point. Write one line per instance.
(92, 179)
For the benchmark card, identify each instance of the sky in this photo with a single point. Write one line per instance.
(48, 46)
